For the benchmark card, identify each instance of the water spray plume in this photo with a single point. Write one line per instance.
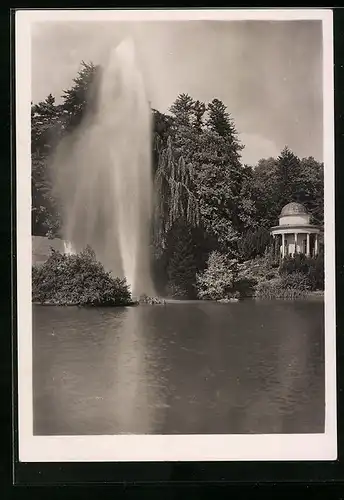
(103, 175)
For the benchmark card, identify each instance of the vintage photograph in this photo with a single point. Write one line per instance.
(175, 217)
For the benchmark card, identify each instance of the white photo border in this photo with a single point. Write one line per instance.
(147, 448)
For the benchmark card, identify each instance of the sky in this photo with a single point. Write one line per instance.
(268, 74)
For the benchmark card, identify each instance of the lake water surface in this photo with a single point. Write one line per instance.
(192, 367)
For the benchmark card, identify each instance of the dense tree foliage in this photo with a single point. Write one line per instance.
(206, 200)
(254, 243)
(277, 181)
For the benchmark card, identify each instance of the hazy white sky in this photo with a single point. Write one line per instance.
(269, 74)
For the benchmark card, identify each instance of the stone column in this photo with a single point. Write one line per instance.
(308, 245)
(316, 245)
(283, 246)
(295, 239)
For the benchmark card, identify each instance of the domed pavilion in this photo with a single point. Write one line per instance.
(295, 232)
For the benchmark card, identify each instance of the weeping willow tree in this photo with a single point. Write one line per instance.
(174, 200)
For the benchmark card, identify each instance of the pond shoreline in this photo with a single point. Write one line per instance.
(89, 306)
(310, 295)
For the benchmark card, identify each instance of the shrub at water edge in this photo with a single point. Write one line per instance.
(77, 280)
(312, 267)
(146, 299)
(218, 280)
(252, 272)
(288, 286)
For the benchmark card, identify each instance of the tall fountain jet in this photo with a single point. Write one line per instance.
(103, 175)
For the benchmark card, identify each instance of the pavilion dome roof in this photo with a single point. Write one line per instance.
(293, 209)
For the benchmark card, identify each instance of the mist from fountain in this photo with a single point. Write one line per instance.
(103, 177)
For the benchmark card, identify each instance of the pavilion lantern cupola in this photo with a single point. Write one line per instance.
(295, 233)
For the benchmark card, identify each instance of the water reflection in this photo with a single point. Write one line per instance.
(134, 394)
(251, 367)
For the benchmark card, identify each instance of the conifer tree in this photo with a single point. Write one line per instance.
(181, 267)
(198, 115)
(182, 109)
(187, 116)
(219, 120)
(83, 94)
(288, 176)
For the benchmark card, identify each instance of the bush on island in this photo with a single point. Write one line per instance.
(77, 280)
(145, 299)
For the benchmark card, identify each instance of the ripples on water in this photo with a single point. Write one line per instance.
(204, 368)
